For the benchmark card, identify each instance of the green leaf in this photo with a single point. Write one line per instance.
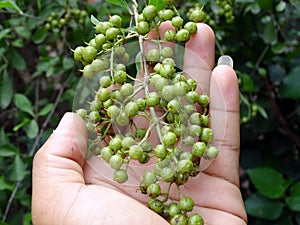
(17, 60)
(23, 32)
(269, 33)
(8, 150)
(32, 129)
(261, 207)
(121, 3)
(159, 4)
(40, 35)
(9, 4)
(247, 82)
(18, 169)
(6, 88)
(293, 201)
(94, 20)
(290, 85)
(44, 111)
(68, 63)
(4, 33)
(265, 4)
(23, 104)
(268, 182)
(4, 185)
(280, 7)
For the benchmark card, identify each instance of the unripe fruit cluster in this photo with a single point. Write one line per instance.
(164, 98)
(56, 21)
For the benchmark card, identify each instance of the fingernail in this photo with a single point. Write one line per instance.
(225, 60)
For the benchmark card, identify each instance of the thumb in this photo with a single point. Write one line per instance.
(63, 153)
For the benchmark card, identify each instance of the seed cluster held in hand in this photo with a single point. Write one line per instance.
(163, 98)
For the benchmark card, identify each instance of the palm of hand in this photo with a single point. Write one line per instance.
(79, 195)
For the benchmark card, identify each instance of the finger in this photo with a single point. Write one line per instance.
(63, 152)
(199, 56)
(225, 122)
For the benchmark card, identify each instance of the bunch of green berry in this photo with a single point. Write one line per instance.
(57, 21)
(164, 99)
(226, 10)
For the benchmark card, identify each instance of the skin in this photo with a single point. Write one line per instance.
(66, 190)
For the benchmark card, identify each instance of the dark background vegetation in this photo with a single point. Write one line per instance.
(38, 79)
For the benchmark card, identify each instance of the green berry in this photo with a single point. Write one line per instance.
(185, 166)
(197, 16)
(203, 100)
(167, 52)
(153, 190)
(205, 120)
(127, 142)
(111, 33)
(78, 53)
(103, 94)
(153, 55)
(195, 219)
(177, 21)
(115, 20)
(170, 35)
(191, 27)
(182, 35)
(141, 104)
(160, 151)
(178, 219)
(106, 154)
(179, 130)
(195, 118)
(181, 88)
(186, 204)
(152, 99)
(100, 39)
(117, 96)
(156, 205)
(94, 117)
(192, 84)
(211, 152)
(167, 71)
(165, 14)
(120, 76)
(103, 26)
(88, 71)
(173, 209)
(115, 143)
(113, 111)
(169, 139)
(148, 178)
(122, 119)
(135, 152)
(131, 109)
(167, 174)
(89, 53)
(168, 92)
(206, 135)
(105, 81)
(174, 106)
(198, 149)
(82, 113)
(127, 89)
(143, 27)
(192, 97)
(195, 130)
(116, 162)
(158, 82)
(149, 12)
(95, 105)
(120, 176)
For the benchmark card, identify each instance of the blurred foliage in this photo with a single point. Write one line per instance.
(38, 78)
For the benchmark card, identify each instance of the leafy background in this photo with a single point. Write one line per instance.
(38, 78)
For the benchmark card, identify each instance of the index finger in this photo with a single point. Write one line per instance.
(200, 56)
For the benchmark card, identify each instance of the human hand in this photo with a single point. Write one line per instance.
(66, 190)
